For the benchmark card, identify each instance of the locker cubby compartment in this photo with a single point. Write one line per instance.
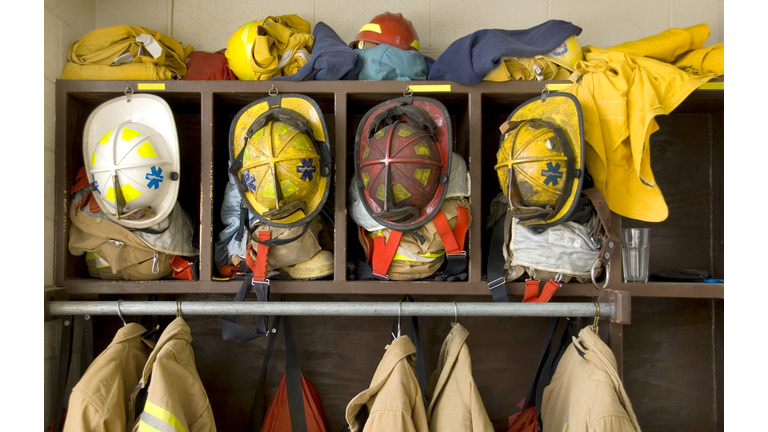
(77, 105)
(687, 155)
(457, 107)
(226, 106)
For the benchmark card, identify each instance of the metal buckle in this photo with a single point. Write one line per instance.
(451, 257)
(496, 283)
(264, 282)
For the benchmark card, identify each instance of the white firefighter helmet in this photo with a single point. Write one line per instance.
(131, 158)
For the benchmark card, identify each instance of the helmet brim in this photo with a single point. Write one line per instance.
(444, 140)
(563, 110)
(308, 109)
(147, 109)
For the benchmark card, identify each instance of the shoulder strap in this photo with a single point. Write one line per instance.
(413, 334)
(495, 268)
(292, 381)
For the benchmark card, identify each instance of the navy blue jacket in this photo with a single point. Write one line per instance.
(469, 59)
(331, 59)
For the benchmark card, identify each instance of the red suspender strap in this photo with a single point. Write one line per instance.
(453, 241)
(258, 263)
(532, 291)
(384, 251)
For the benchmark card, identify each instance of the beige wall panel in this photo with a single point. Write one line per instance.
(186, 22)
(609, 23)
(454, 19)
(49, 232)
(346, 17)
(68, 35)
(151, 14)
(52, 34)
(686, 13)
(78, 14)
(49, 164)
(49, 112)
(218, 20)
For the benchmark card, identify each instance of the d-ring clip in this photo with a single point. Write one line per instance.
(273, 91)
(597, 317)
(408, 91)
(128, 93)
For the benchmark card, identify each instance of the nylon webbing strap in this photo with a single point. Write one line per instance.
(530, 397)
(548, 371)
(413, 334)
(64, 348)
(532, 291)
(292, 381)
(384, 251)
(453, 240)
(230, 330)
(496, 271)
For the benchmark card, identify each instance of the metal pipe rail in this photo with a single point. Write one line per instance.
(457, 309)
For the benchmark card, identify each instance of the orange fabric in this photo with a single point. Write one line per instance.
(278, 417)
(384, 251)
(524, 421)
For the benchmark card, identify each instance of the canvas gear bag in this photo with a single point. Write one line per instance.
(579, 248)
(296, 405)
(126, 52)
(115, 252)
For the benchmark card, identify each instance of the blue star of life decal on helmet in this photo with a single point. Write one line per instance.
(552, 174)
(307, 168)
(155, 178)
(250, 181)
(95, 184)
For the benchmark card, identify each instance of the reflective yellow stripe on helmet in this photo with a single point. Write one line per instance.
(371, 27)
(155, 418)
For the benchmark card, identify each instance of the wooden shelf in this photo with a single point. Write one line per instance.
(688, 167)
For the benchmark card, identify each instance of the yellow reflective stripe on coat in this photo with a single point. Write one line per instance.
(155, 418)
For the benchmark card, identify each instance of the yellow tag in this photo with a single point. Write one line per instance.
(712, 86)
(431, 88)
(151, 86)
(556, 87)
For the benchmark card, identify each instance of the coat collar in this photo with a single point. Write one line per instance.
(449, 354)
(398, 350)
(176, 330)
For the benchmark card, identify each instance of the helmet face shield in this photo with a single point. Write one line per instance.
(540, 162)
(131, 157)
(403, 153)
(280, 159)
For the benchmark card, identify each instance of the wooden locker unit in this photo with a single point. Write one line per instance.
(340, 354)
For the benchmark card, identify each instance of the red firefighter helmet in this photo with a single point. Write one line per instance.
(402, 161)
(390, 29)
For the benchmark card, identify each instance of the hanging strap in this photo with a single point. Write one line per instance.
(530, 397)
(230, 330)
(383, 252)
(532, 291)
(453, 240)
(292, 381)
(495, 268)
(548, 370)
(413, 334)
(75, 355)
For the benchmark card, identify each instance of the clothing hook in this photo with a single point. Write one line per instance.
(597, 317)
(455, 314)
(178, 308)
(399, 310)
(128, 94)
(120, 314)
